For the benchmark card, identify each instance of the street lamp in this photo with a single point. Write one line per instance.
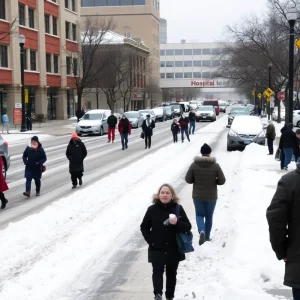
(22, 40)
(270, 86)
(291, 17)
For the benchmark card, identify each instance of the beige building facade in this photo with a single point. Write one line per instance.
(134, 19)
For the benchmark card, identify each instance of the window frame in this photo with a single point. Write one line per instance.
(197, 63)
(48, 63)
(47, 23)
(170, 51)
(177, 73)
(55, 64)
(32, 60)
(54, 26)
(188, 52)
(197, 50)
(69, 65)
(67, 30)
(188, 76)
(188, 63)
(73, 5)
(31, 21)
(172, 77)
(67, 4)
(171, 64)
(2, 10)
(162, 75)
(25, 59)
(22, 19)
(205, 61)
(178, 52)
(75, 66)
(178, 64)
(5, 57)
(74, 32)
(197, 76)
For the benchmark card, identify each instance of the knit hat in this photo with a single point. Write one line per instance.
(205, 149)
(35, 138)
(74, 136)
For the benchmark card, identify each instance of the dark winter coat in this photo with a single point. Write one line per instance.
(283, 216)
(184, 122)
(33, 160)
(271, 132)
(76, 153)
(124, 126)
(3, 185)
(284, 128)
(288, 140)
(112, 121)
(162, 238)
(297, 149)
(192, 116)
(148, 130)
(205, 174)
(175, 128)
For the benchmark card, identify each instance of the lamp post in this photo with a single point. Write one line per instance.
(291, 17)
(270, 86)
(21, 43)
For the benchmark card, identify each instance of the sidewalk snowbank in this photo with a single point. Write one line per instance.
(19, 137)
(53, 254)
(239, 264)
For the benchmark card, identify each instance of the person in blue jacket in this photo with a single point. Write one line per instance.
(34, 158)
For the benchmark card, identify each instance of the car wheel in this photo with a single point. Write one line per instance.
(298, 124)
(101, 131)
(229, 149)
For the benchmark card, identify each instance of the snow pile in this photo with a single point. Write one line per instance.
(57, 253)
(14, 138)
(239, 263)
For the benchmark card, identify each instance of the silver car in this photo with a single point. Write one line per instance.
(206, 113)
(4, 155)
(244, 131)
(135, 118)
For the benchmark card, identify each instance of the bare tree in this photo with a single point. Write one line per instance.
(87, 64)
(7, 29)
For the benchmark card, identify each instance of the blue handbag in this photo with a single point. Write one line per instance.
(184, 240)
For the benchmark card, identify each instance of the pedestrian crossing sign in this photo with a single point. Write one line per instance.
(268, 92)
(259, 96)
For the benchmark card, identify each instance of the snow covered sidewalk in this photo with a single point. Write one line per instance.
(239, 264)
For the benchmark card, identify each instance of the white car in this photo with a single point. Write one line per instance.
(146, 112)
(296, 118)
(135, 118)
(275, 114)
(93, 122)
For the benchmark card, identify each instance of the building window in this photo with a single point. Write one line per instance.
(125, 2)
(53, 1)
(75, 66)
(169, 52)
(188, 75)
(178, 75)
(188, 52)
(2, 10)
(55, 64)
(169, 64)
(170, 75)
(197, 51)
(91, 3)
(54, 26)
(197, 63)
(112, 2)
(139, 2)
(216, 63)
(100, 3)
(162, 75)
(73, 4)
(206, 51)
(22, 14)
(197, 75)
(215, 51)
(188, 63)
(66, 3)
(47, 23)
(162, 52)
(225, 62)
(25, 59)
(3, 57)
(67, 30)
(32, 60)
(178, 52)
(178, 64)
(74, 37)
(206, 63)
(48, 63)
(69, 65)
(162, 64)
(31, 17)
(206, 75)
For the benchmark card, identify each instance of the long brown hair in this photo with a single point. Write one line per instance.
(175, 199)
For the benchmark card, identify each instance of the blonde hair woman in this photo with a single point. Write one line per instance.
(159, 228)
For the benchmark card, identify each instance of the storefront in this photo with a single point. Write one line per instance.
(52, 98)
(30, 99)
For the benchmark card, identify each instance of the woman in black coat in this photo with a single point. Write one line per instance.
(147, 127)
(163, 250)
(76, 153)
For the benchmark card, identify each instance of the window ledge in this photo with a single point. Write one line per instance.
(4, 21)
(55, 74)
(52, 2)
(29, 28)
(71, 11)
(6, 69)
(30, 71)
(75, 42)
(49, 34)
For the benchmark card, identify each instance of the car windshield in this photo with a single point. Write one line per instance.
(222, 104)
(131, 115)
(214, 103)
(176, 106)
(168, 109)
(206, 108)
(145, 112)
(240, 111)
(92, 117)
(247, 125)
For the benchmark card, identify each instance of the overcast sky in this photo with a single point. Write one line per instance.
(205, 20)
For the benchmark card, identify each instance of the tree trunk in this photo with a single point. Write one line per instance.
(79, 100)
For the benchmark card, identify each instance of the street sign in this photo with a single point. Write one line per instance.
(253, 93)
(26, 96)
(18, 105)
(281, 96)
(17, 116)
(298, 43)
(259, 95)
(268, 92)
(268, 99)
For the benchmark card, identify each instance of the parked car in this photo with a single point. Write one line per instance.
(223, 106)
(194, 104)
(93, 122)
(146, 112)
(135, 118)
(176, 109)
(160, 114)
(169, 111)
(214, 103)
(206, 113)
(237, 111)
(244, 131)
(4, 155)
(296, 118)
(185, 106)
(275, 114)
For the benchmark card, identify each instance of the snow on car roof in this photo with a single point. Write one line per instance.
(97, 111)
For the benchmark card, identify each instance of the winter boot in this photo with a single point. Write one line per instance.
(202, 238)
(108, 141)
(38, 192)
(27, 194)
(80, 181)
(74, 187)
(4, 202)
(158, 297)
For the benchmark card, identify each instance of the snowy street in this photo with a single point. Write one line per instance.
(88, 245)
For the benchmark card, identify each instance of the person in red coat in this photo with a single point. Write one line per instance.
(3, 187)
(184, 126)
(125, 130)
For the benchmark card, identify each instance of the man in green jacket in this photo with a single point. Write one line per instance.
(270, 135)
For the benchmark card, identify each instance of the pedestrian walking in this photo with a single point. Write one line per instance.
(287, 145)
(29, 122)
(270, 135)
(147, 127)
(184, 127)
(125, 130)
(297, 149)
(205, 174)
(160, 227)
(175, 128)
(76, 153)
(3, 186)
(80, 114)
(5, 122)
(34, 158)
(192, 119)
(283, 216)
(112, 122)
(282, 130)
